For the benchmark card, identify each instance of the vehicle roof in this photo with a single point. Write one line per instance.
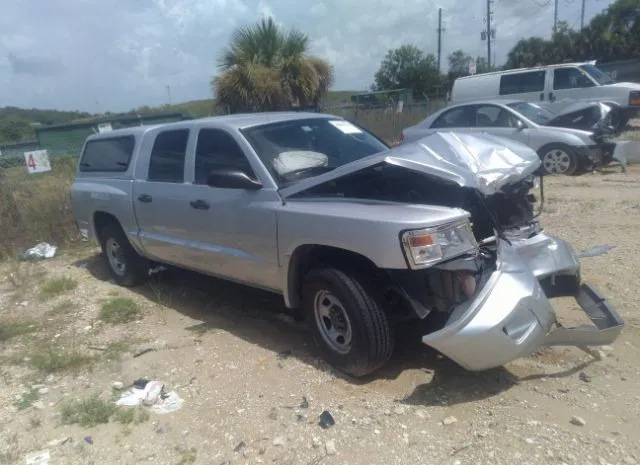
(532, 68)
(235, 121)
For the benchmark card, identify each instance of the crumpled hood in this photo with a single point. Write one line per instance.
(478, 161)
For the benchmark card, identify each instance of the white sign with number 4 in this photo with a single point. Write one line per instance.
(37, 161)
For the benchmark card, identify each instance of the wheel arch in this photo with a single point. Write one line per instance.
(308, 256)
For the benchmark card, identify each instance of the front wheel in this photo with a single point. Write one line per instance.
(558, 159)
(346, 322)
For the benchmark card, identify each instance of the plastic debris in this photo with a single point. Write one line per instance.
(326, 420)
(40, 252)
(151, 394)
(304, 403)
(38, 458)
(240, 446)
(88, 439)
(596, 251)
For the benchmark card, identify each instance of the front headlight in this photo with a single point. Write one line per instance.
(425, 247)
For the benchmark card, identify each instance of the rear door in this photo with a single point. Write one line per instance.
(526, 85)
(161, 199)
(498, 121)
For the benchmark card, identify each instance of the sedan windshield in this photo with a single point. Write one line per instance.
(532, 112)
(596, 73)
(302, 148)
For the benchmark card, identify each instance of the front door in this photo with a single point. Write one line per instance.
(233, 230)
(498, 121)
(568, 85)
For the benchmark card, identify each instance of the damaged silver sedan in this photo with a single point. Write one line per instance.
(442, 233)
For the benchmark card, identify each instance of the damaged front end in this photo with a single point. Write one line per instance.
(481, 288)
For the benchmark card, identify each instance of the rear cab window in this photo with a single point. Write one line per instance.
(522, 83)
(111, 154)
(168, 155)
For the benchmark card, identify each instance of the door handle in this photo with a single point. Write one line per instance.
(145, 198)
(551, 97)
(199, 204)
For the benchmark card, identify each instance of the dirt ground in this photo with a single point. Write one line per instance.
(253, 388)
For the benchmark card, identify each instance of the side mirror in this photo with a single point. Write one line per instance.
(520, 125)
(232, 178)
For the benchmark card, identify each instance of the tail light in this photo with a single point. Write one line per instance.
(634, 98)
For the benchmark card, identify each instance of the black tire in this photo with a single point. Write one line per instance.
(549, 168)
(372, 339)
(135, 269)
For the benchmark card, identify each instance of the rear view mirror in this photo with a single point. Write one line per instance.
(232, 178)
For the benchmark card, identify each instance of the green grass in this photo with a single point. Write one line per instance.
(127, 416)
(187, 456)
(62, 308)
(49, 358)
(9, 329)
(120, 310)
(88, 412)
(28, 399)
(57, 286)
(115, 351)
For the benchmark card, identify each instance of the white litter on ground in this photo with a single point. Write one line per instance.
(42, 250)
(152, 396)
(38, 458)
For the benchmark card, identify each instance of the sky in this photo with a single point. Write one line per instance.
(115, 55)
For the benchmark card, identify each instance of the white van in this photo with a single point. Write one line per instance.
(555, 86)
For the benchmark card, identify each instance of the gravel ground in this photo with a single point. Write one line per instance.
(253, 390)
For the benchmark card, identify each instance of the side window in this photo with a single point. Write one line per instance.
(112, 154)
(493, 116)
(455, 118)
(216, 148)
(570, 78)
(522, 83)
(168, 155)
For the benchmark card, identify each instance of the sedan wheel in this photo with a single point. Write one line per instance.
(558, 160)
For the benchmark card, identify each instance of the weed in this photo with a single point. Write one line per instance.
(9, 330)
(115, 351)
(89, 412)
(35, 422)
(119, 311)
(126, 416)
(11, 448)
(61, 308)
(28, 399)
(187, 456)
(163, 295)
(57, 286)
(54, 359)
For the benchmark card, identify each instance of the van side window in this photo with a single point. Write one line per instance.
(111, 154)
(454, 118)
(522, 83)
(570, 78)
(168, 155)
(216, 148)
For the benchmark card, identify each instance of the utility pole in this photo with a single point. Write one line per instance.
(169, 93)
(582, 15)
(488, 33)
(555, 17)
(440, 31)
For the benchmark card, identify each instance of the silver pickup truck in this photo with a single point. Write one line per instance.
(358, 236)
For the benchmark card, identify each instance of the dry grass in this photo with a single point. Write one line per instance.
(50, 358)
(11, 329)
(88, 412)
(36, 207)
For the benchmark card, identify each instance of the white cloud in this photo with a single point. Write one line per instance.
(116, 55)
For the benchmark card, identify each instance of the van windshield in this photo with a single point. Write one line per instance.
(532, 112)
(596, 73)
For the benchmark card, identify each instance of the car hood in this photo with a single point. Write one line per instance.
(585, 116)
(483, 162)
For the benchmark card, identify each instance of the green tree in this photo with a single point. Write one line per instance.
(13, 129)
(268, 68)
(407, 67)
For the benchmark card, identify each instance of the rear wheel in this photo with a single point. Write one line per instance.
(558, 159)
(346, 321)
(126, 266)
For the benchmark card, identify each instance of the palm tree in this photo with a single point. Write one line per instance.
(267, 68)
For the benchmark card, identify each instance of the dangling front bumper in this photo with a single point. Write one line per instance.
(511, 315)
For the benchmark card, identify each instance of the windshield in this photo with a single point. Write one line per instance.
(600, 76)
(533, 112)
(298, 149)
